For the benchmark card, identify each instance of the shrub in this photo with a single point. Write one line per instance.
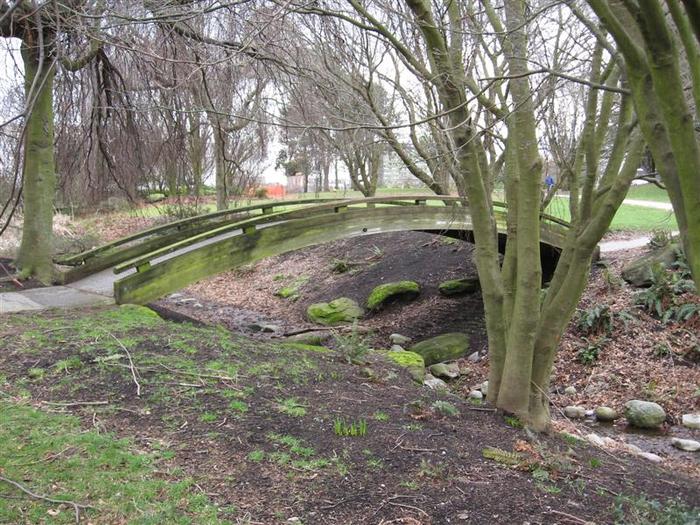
(590, 353)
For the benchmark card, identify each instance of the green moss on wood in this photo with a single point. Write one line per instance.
(392, 291)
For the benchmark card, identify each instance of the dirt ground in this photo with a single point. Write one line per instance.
(258, 427)
(628, 367)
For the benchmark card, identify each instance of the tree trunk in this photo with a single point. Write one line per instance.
(34, 257)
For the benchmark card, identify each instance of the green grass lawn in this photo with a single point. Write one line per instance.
(648, 192)
(628, 217)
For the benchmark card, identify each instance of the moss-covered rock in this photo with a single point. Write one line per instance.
(445, 347)
(644, 414)
(639, 272)
(412, 362)
(459, 286)
(338, 311)
(309, 338)
(392, 291)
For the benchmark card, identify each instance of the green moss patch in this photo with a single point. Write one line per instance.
(52, 455)
(405, 290)
(410, 360)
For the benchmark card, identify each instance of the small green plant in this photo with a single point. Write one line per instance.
(513, 421)
(380, 416)
(36, 373)
(662, 299)
(343, 266)
(590, 352)
(611, 279)
(431, 470)
(291, 407)
(595, 320)
(659, 239)
(445, 408)
(67, 365)
(375, 463)
(571, 439)
(540, 475)
(208, 417)
(256, 456)
(662, 350)
(410, 484)
(595, 462)
(501, 456)
(352, 429)
(238, 406)
(638, 510)
(352, 347)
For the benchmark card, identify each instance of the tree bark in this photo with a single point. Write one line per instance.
(34, 257)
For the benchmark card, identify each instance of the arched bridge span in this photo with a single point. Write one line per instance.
(170, 257)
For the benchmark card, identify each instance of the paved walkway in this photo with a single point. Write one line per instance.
(93, 290)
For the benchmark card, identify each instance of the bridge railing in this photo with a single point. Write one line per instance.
(248, 225)
(142, 247)
(125, 248)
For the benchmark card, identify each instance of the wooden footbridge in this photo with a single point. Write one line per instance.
(164, 259)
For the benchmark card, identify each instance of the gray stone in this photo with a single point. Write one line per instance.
(644, 414)
(269, 328)
(650, 457)
(689, 445)
(338, 311)
(606, 414)
(433, 382)
(397, 348)
(639, 272)
(475, 394)
(474, 358)
(691, 421)
(575, 412)
(445, 371)
(485, 388)
(398, 339)
(315, 337)
(445, 347)
(570, 390)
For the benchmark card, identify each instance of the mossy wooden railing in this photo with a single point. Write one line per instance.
(239, 242)
(145, 241)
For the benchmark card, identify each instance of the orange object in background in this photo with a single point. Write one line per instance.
(275, 191)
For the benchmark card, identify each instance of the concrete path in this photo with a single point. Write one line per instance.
(93, 290)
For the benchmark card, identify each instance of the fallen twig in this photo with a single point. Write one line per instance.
(76, 506)
(132, 367)
(571, 517)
